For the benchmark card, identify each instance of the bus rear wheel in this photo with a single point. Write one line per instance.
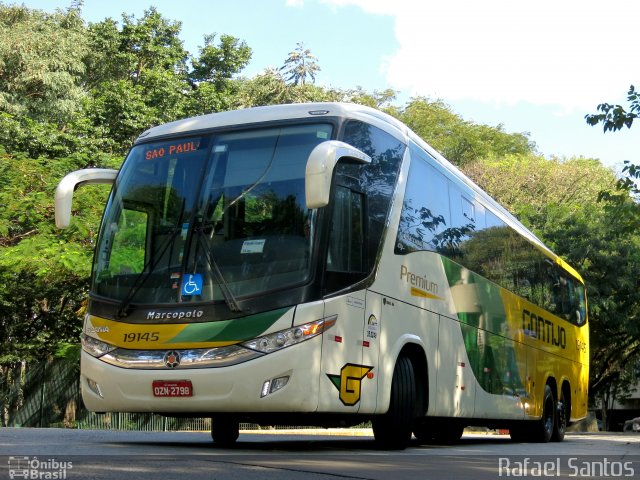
(539, 431)
(562, 418)
(543, 429)
(224, 431)
(393, 430)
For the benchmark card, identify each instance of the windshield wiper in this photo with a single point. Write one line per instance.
(228, 296)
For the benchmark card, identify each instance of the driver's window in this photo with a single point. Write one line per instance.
(346, 242)
(129, 243)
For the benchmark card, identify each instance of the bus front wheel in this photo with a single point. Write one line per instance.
(393, 429)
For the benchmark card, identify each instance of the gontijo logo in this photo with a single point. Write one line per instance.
(349, 382)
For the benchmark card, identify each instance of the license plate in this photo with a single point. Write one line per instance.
(172, 388)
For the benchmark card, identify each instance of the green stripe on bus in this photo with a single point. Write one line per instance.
(492, 356)
(236, 330)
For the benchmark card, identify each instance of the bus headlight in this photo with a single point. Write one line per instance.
(286, 338)
(95, 347)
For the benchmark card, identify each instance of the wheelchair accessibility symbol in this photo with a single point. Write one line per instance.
(191, 284)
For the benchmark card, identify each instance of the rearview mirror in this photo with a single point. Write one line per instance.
(320, 165)
(66, 187)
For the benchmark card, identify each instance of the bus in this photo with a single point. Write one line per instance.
(320, 264)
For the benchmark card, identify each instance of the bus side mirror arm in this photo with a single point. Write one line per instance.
(320, 165)
(73, 180)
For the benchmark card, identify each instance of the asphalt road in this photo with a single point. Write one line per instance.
(92, 454)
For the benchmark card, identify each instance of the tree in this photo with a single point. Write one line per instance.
(624, 197)
(41, 63)
(559, 201)
(218, 64)
(140, 79)
(41, 80)
(300, 65)
(614, 117)
(152, 43)
(142, 76)
(270, 88)
(525, 184)
(43, 273)
(458, 140)
(211, 78)
(621, 357)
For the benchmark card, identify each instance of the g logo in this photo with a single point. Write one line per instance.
(349, 382)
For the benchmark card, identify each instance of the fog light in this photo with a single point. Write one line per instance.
(265, 388)
(273, 385)
(278, 383)
(95, 388)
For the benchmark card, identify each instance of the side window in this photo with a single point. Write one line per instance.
(425, 220)
(346, 239)
(377, 180)
(360, 204)
(468, 211)
(467, 218)
(436, 215)
(568, 298)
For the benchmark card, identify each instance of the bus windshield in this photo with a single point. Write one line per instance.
(209, 218)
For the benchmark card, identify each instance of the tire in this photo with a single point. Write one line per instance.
(539, 431)
(562, 419)
(520, 432)
(543, 429)
(224, 431)
(392, 430)
(448, 435)
(439, 433)
(423, 432)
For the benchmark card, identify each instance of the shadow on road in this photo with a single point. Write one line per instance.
(307, 443)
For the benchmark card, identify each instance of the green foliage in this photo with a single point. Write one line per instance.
(617, 333)
(151, 43)
(615, 117)
(608, 257)
(270, 88)
(69, 351)
(527, 183)
(41, 63)
(74, 95)
(460, 141)
(218, 64)
(623, 200)
(559, 200)
(137, 76)
(43, 272)
(300, 65)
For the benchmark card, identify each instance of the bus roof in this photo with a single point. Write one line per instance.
(256, 115)
(273, 113)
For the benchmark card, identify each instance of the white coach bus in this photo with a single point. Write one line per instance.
(320, 264)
